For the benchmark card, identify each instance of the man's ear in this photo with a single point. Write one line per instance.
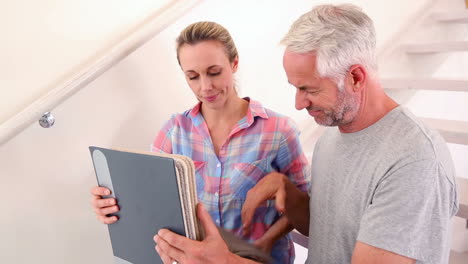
(357, 77)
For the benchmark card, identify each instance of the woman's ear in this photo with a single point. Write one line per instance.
(357, 77)
(235, 64)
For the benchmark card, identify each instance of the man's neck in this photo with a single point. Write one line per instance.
(375, 104)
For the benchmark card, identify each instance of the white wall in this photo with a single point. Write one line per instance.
(46, 174)
(258, 26)
(44, 42)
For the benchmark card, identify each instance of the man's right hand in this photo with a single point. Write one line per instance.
(289, 200)
(272, 186)
(104, 206)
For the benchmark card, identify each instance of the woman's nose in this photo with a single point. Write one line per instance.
(206, 83)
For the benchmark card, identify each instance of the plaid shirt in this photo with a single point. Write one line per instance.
(261, 142)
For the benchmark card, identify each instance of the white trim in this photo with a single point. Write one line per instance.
(300, 239)
(425, 84)
(449, 46)
(462, 184)
(385, 52)
(453, 131)
(122, 48)
(451, 17)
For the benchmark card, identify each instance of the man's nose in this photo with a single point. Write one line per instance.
(301, 100)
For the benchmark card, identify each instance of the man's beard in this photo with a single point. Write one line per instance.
(345, 106)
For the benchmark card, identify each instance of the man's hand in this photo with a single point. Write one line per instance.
(104, 206)
(272, 186)
(264, 244)
(276, 231)
(290, 201)
(172, 247)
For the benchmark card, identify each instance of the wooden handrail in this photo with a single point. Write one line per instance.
(151, 26)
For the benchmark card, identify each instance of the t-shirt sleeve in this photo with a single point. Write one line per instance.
(410, 212)
(163, 141)
(291, 159)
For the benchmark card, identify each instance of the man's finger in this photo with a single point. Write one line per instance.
(252, 201)
(207, 223)
(266, 189)
(169, 249)
(176, 240)
(164, 257)
(280, 200)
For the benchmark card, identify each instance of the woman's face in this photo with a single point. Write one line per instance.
(208, 72)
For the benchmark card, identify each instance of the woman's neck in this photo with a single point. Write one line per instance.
(234, 110)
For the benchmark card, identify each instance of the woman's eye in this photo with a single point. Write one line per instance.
(214, 73)
(193, 77)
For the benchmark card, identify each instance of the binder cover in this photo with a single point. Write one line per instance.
(150, 197)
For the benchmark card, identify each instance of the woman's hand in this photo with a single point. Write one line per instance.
(104, 206)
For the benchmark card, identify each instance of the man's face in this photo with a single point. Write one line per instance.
(321, 97)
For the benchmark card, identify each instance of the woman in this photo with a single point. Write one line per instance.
(233, 142)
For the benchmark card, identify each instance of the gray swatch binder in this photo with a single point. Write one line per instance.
(153, 191)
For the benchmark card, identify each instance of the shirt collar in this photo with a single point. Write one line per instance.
(255, 109)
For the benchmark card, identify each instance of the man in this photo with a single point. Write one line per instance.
(382, 184)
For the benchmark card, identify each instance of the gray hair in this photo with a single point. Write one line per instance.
(341, 35)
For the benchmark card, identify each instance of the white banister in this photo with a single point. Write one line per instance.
(152, 25)
(452, 131)
(425, 84)
(459, 16)
(447, 46)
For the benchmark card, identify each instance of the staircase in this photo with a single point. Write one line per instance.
(428, 66)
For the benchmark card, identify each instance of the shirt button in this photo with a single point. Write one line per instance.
(216, 194)
(217, 221)
(218, 165)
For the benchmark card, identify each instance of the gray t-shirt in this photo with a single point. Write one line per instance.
(391, 186)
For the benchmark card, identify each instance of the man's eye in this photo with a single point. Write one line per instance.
(306, 90)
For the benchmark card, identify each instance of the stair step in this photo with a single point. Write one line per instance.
(451, 17)
(462, 211)
(455, 132)
(299, 238)
(462, 184)
(449, 46)
(458, 257)
(426, 84)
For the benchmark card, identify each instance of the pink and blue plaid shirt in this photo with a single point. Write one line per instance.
(261, 142)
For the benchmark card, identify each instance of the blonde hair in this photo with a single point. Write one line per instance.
(206, 30)
(341, 35)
